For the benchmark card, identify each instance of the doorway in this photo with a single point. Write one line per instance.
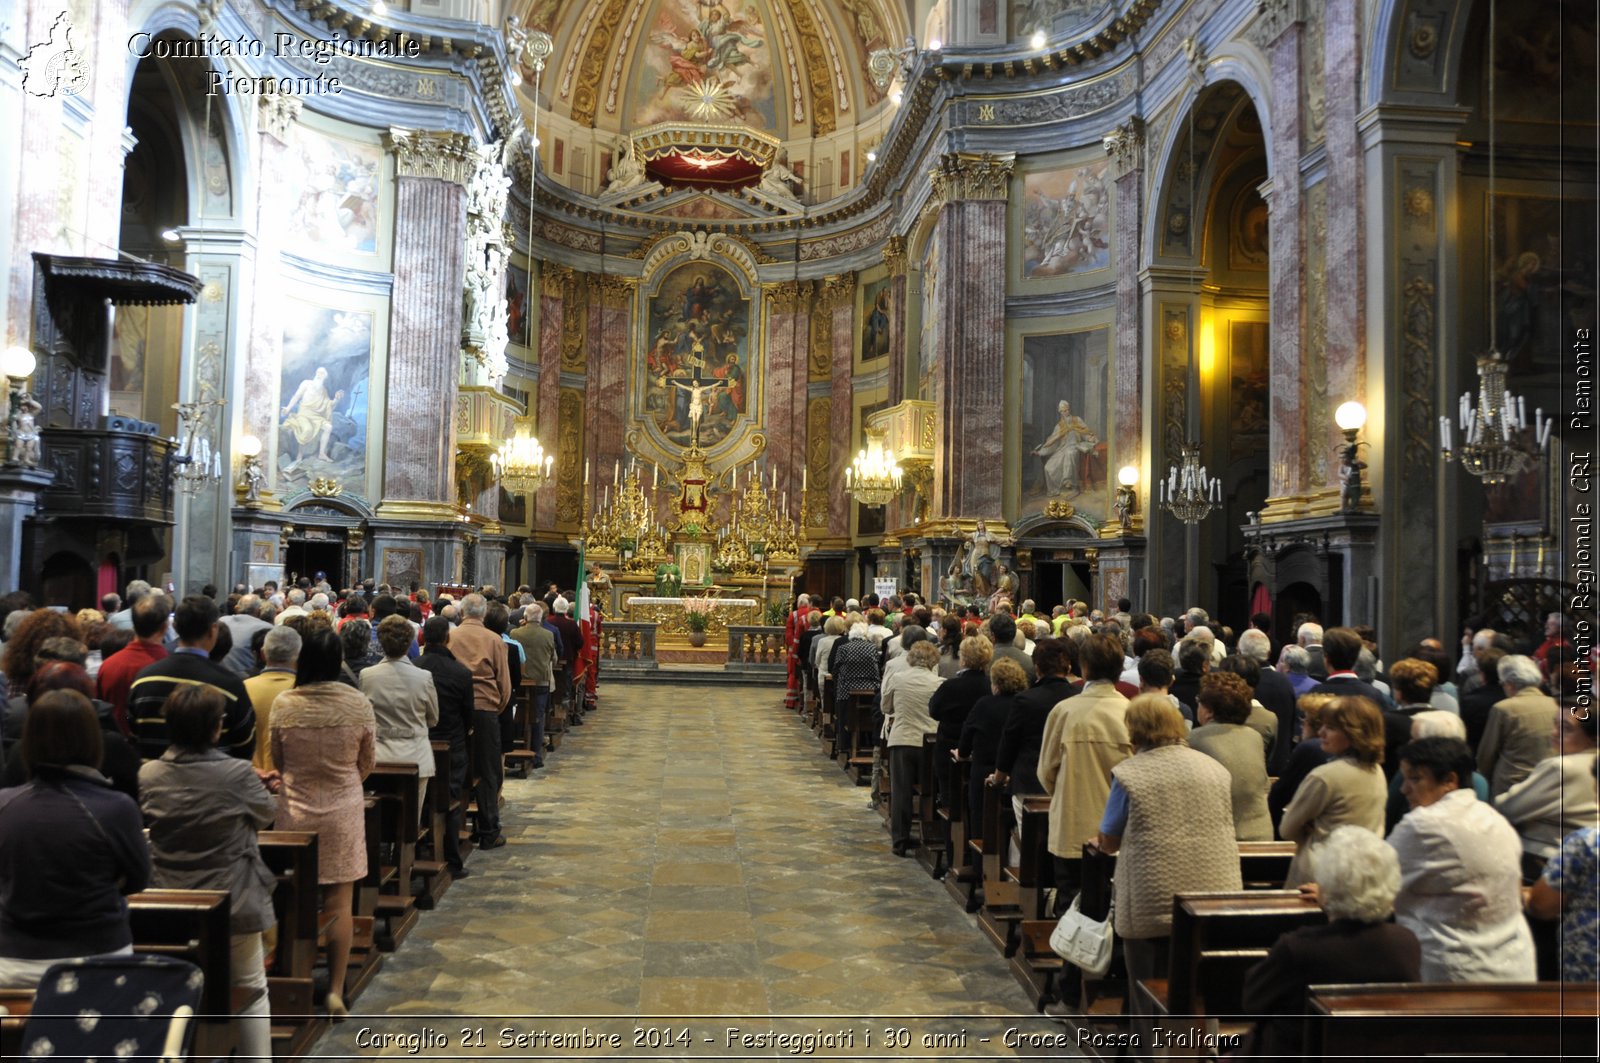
(315, 559)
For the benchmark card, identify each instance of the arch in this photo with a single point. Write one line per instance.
(1391, 36)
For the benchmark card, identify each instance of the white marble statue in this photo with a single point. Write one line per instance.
(626, 173)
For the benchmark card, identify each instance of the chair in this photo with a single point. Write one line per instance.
(110, 1007)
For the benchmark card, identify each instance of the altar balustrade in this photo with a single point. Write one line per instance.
(759, 650)
(628, 646)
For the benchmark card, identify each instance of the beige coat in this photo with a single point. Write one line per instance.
(1084, 738)
(1237, 747)
(1517, 737)
(1339, 792)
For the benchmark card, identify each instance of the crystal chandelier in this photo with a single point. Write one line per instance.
(1493, 426)
(873, 478)
(1188, 493)
(521, 465)
(196, 465)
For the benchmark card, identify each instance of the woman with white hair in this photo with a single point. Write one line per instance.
(1435, 723)
(1517, 736)
(1358, 877)
(906, 721)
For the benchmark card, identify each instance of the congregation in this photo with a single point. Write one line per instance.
(201, 722)
(1442, 807)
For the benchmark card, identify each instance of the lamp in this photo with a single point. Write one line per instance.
(1350, 416)
(873, 478)
(248, 490)
(18, 363)
(1127, 497)
(1493, 424)
(521, 464)
(198, 464)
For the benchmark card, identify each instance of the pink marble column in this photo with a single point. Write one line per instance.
(547, 399)
(1127, 400)
(424, 340)
(607, 394)
(1346, 280)
(1286, 272)
(969, 375)
(788, 342)
(842, 450)
(894, 256)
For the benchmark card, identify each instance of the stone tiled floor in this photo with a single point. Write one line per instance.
(688, 852)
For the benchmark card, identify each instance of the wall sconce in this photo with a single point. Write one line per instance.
(1127, 498)
(1350, 417)
(248, 490)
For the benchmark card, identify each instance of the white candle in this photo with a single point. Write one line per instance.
(616, 472)
(805, 475)
(774, 477)
(736, 478)
(586, 472)
(655, 477)
(1444, 432)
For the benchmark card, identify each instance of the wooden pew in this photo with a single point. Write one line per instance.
(827, 728)
(857, 738)
(933, 836)
(1216, 939)
(1002, 902)
(963, 876)
(395, 784)
(521, 756)
(1529, 1020)
(292, 856)
(192, 925)
(1265, 865)
(1028, 947)
(365, 957)
(437, 808)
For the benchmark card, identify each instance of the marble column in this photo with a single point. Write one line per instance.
(425, 318)
(841, 438)
(554, 282)
(894, 256)
(969, 365)
(1287, 487)
(607, 394)
(788, 321)
(1125, 147)
(1345, 275)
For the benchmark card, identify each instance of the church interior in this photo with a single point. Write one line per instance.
(1240, 315)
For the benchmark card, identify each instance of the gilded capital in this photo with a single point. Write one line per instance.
(553, 279)
(967, 175)
(614, 292)
(426, 153)
(894, 255)
(788, 296)
(1125, 147)
(836, 291)
(276, 113)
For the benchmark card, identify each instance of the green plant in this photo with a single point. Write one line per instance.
(697, 620)
(776, 612)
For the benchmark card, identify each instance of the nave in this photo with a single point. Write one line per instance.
(691, 851)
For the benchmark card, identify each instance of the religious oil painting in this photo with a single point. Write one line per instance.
(130, 336)
(1249, 369)
(513, 509)
(517, 316)
(1065, 221)
(875, 311)
(707, 62)
(333, 201)
(323, 402)
(402, 566)
(1063, 402)
(1544, 278)
(696, 374)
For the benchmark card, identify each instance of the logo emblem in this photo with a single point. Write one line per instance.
(55, 66)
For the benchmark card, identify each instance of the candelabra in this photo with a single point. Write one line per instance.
(759, 530)
(1493, 427)
(625, 525)
(874, 477)
(197, 465)
(1188, 493)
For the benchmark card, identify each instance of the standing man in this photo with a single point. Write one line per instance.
(148, 646)
(452, 682)
(485, 655)
(571, 645)
(539, 669)
(243, 625)
(195, 621)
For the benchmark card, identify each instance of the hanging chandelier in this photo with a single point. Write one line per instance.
(1188, 493)
(521, 465)
(1494, 423)
(197, 465)
(873, 478)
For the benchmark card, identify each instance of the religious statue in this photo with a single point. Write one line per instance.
(955, 586)
(24, 432)
(1064, 450)
(697, 402)
(668, 582)
(1007, 586)
(983, 556)
(625, 172)
(779, 181)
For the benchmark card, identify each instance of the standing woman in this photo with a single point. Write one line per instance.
(71, 847)
(204, 808)
(906, 722)
(324, 737)
(404, 703)
(1349, 788)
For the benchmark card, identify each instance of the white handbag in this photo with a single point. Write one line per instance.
(1083, 942)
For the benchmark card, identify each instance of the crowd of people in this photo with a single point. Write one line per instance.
(208, 719)
(1443, 807)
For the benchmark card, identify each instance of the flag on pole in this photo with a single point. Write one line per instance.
(583, 587)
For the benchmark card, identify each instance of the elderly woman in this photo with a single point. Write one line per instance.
(1357, 880)
(70, 847)
(980, 733)
(204, 808)
(822, 646)
(906, 721)
(1557, 798)
(1349, 788)
(1435, 723)
(404, 702)
(1568, 890)
(954, 700)
(1461, 868)
(355, 638)
(1225, 737)
(1304, 758)
(1170, 816)
(323, 741)
(1412, 682)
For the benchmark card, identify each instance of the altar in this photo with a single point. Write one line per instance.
(671, 615)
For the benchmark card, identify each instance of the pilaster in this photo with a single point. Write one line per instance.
(1125, 147)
